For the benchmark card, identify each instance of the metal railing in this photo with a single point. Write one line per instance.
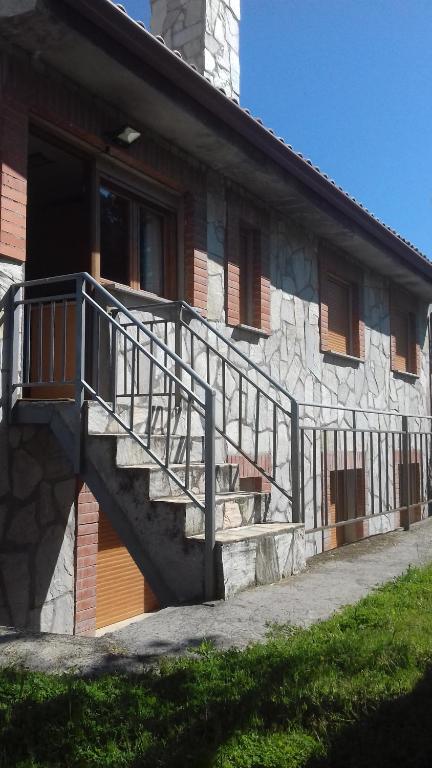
(340, 468)
(344, 472)
(254, 413)
(65, 343)
(358, 465)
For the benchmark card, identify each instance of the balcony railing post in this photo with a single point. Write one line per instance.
(79, 367)
(13, 334)
(210, 495)
(406, 470)
(114, 367)
(178, 341)
(295, 464)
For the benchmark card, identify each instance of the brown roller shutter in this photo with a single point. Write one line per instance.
(404, 344)
(121, 590)
(342, 327)
(339, 316)
(400, 330)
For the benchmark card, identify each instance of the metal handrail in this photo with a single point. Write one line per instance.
(177, 308)
(84, 300)
(184, 305)
(86, 277)
(375, 411)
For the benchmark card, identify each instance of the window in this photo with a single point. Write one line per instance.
(403, 321)
(414, 469)
(137, 242)
(115, 236)
(247, 279)
(248, 256)
(346, 501)
(151, 251)
(339, 316)
(341, 319)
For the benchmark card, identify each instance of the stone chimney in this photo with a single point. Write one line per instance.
(206, 32)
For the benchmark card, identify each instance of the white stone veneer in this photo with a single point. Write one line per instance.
(37, 520)
(206, 32)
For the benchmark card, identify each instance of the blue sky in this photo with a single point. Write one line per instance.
(349, 84)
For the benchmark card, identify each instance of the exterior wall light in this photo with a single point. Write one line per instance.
(126, 136)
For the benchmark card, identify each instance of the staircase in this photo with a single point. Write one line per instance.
(154, 452)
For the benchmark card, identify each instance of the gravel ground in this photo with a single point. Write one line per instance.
(330, 581)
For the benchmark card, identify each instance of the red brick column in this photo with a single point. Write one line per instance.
(87, 523)
(195, 255)
(13, 181)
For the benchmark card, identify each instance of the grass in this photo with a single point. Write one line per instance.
(353, 691)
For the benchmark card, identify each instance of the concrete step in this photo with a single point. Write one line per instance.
(131, 453)
(160, 485)
(233, 510)
(101, 422)
(254, 555)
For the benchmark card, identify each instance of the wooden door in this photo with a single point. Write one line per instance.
(52, 347)
(121, 590)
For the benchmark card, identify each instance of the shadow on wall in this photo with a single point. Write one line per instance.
(296, 273)
(37, 533)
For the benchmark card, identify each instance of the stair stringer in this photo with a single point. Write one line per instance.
(153, 534)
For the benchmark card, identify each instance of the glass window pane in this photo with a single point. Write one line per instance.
(151, 251)
(114, 236)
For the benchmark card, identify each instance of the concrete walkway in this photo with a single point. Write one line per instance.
(329, 582)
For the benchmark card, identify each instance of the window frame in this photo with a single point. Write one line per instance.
(247, 277)
(335, 267)
(403, 304)
(331, 278)
(139, 194)
(243, 218)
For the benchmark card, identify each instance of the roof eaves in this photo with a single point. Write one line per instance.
(296, 161)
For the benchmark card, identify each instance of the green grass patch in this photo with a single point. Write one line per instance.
(355, 690)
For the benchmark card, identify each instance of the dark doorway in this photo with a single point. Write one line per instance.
(58, 243)
(59, 210)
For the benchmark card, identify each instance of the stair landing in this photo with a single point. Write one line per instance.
(253, 555)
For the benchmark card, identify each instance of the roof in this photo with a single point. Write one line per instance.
(314, 168)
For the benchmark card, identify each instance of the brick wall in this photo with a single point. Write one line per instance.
(87, 521)
(55, 102)
(250, 477)
(195, 254)
(13, 181)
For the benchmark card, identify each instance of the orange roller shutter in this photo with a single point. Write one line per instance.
(121, 590)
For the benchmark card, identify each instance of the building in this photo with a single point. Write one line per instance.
(215, 362)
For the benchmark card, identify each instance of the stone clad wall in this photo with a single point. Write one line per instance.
(291, 353)
(37, 487)
(37, 522)
(37, 533)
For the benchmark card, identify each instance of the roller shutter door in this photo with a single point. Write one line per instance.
(121, 590)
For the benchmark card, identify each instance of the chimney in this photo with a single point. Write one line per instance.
(206, 32)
